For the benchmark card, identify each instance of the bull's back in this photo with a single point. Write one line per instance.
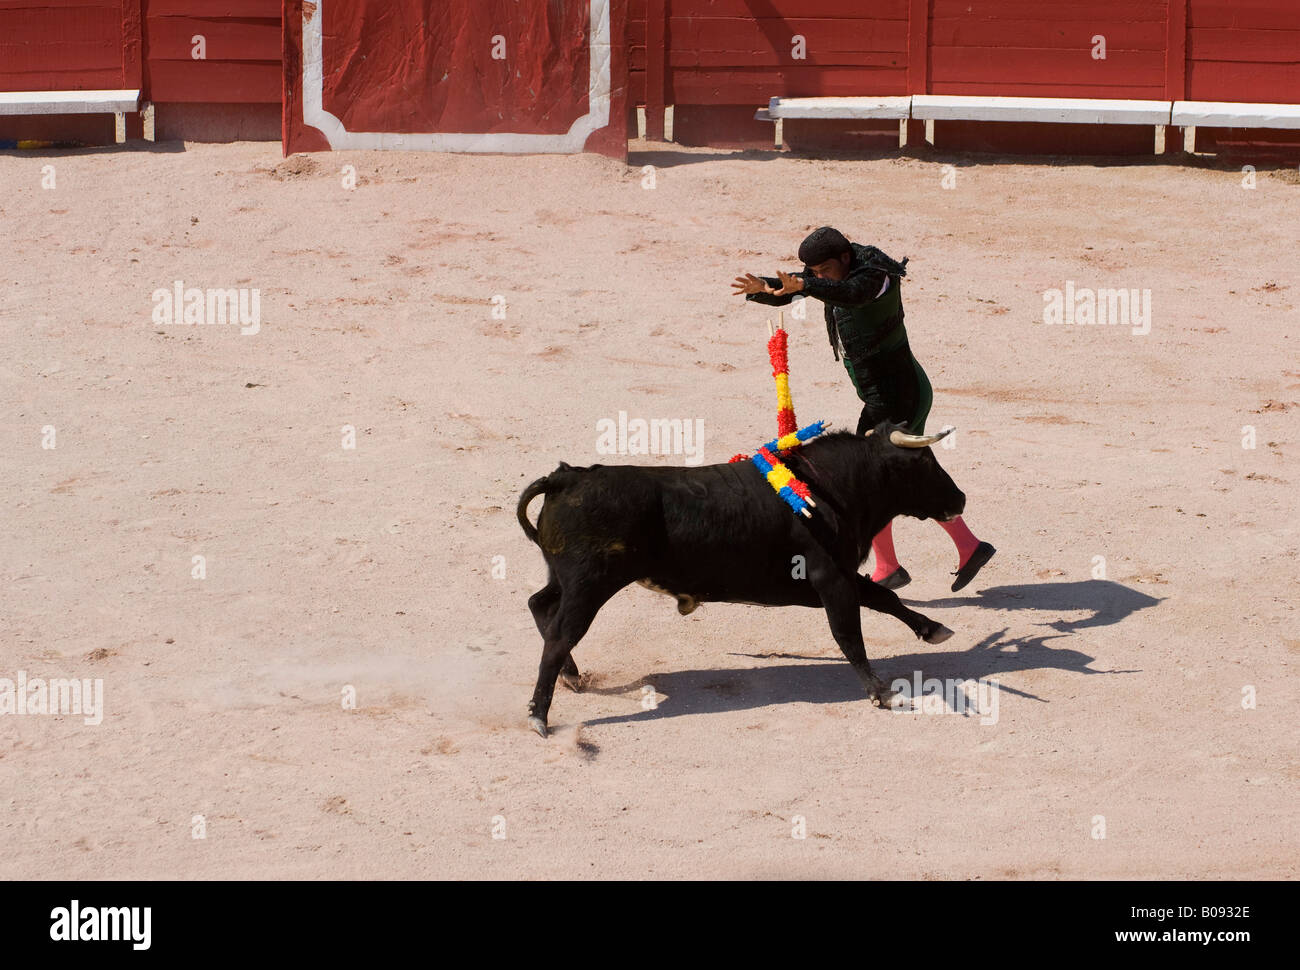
(716, 532)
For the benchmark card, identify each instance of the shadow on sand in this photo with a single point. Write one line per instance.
(825, 680)
(1107, 601)
(1230, 159)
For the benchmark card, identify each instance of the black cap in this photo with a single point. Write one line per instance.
(822, 244)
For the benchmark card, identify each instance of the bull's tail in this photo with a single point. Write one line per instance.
(539, 487)
(546, 485)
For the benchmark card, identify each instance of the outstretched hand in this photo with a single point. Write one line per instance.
(789, 284)
(749, 283)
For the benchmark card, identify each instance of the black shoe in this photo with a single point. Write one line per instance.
(982, 554)
(895, 580)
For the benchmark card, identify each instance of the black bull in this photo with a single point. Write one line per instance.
(719, 533)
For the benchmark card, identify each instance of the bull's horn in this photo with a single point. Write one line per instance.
(905, 440)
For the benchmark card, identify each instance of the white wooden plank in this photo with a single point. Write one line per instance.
(1104, 111)
(839, 107)
(67, 102)
(1230, 114)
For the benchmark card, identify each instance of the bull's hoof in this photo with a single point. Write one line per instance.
(572, 681)
(538, 725)
(883, 696)
(937, 633)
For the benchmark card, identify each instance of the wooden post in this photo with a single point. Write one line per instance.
(918, 62)
(1175, 62)
(133, 48)
(133, 64)
(656, 62)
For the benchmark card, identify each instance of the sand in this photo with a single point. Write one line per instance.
(1146, 719)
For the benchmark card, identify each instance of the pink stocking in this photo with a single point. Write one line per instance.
(961, 537)
(882, 546)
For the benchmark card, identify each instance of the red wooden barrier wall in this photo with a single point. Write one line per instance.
(61, 46)
(232, 92)
(242, 63)
(73, 44)
(87, 44)
(1027, 48)
(1244, 50)
(718, 60)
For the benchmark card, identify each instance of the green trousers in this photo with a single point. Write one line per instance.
(892, 387)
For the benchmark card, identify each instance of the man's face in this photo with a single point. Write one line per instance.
(832, 269)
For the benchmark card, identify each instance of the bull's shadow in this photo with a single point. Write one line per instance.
(831, 680)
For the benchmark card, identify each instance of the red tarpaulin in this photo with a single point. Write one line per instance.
(455, 75)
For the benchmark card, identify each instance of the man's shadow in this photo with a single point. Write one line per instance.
(1109, 602)
(827, 680)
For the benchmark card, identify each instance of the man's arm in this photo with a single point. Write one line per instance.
(768, 299)
(858, 289)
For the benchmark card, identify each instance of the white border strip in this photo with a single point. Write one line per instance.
(929, 107)
(838, 108)
(67, 102)
(1230, 114)
(1104, 111)
(572, 141)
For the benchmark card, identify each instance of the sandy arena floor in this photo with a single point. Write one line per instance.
(1121, 705)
